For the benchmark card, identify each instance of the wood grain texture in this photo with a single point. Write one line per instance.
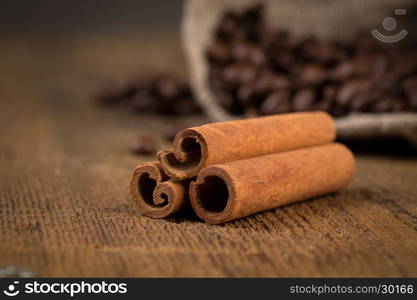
(64, 200)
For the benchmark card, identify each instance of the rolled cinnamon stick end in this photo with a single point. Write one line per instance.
(154, 194)
(236, 189)
(198, 147)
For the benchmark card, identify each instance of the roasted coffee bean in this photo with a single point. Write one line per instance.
(240, 73)
(283, 60)
(311, 75)
(343, 71)
(218, 53)
(142, 102)
(166, 87)
(108, 96)
(242, 51)
(225, 100)
(246, 94)
(361, 102)
(144, 145)
(363, 68)
(379, 66)
(268, 81)
(250, 112)
(303, 100)
(405, 64)
(387, 82)
(186, 106)
(338, 111)
(324, 104)
(351, 89)
(275, 103)
(111, 95)
(275, 41)
(323, 52)
(330, 91)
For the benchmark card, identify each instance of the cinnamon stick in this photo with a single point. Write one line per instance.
(154, 193)
(198, 147)
(236, 189)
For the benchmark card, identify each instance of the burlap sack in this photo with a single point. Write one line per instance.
(326, 19)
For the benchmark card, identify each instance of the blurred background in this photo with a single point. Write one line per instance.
(96, 40)
(91, 16)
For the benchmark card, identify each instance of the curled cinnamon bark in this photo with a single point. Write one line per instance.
(154, 193)
(236, 189)
(198, 147)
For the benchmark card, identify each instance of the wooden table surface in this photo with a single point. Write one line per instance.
(64, 170)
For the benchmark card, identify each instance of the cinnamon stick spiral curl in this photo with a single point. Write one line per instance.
(154, 193)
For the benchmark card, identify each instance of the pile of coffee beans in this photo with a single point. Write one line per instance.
(163, 94)
(258, 71)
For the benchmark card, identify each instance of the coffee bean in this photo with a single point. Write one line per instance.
(111, 94)
(277, 102)
(330, 91)
(187, 106)
(144, 145)
(303, 100)
(166, 87)
(142, 102)
(405, 64)
(379, 66)
(351, 89)
(324, 104)
(108, 96)
(225, 100)
(312, 74)
(386, 82)
(323, 52)
(218, 52)
(239, 73)
(244, 51)
(268, 81)
(250, 112)
(246, 94)
(343, 71)
(338, 111)
(283, 60)
(360, 102)
(362, 66)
